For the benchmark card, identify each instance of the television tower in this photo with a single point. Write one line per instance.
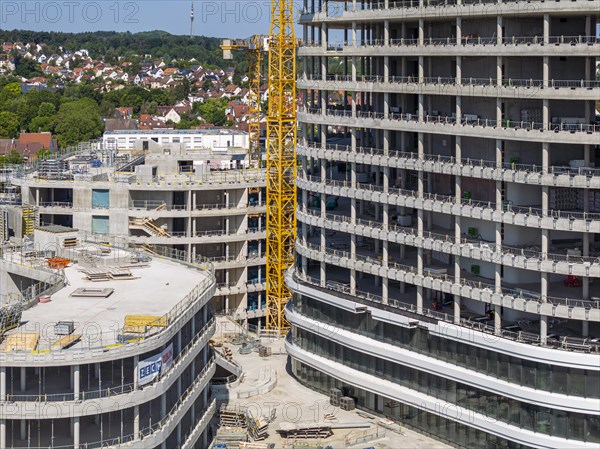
(192, 21)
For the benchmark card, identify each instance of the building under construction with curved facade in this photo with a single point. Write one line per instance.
(94, 364)
(449, 207)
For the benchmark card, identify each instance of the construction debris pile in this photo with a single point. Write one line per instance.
(238, 428)
(249, 344)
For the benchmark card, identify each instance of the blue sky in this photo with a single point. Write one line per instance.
(220, 18)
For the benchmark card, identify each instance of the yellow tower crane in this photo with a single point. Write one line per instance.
(255, 46)
(280, 147)
(281, 160)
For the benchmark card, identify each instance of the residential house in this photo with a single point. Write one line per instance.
(29, 144)
(148, 121)
(125, 112)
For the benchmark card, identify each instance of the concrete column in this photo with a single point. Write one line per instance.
(457, 224)
(2, 434)
(76, 436)
(136, 374)
(546, 28)
(2, 383)
(421, 96)
(136, 421)
(386, 32)
(76, 382)
(2, 399)
(499, 74)
(23, 430)
(546, 71)
(499, 35)
(163, 405)
(353, 212)
(23, 379)
(545, 209)
(421, 187)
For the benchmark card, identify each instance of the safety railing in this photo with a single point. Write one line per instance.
(452, 81)
(497, 251)
(29, 296)
(401, 4)
(463, 202)
(464, 162)
(155, 204)
(108, 174)
(114, 390)
(451, 120)
(521, 294)
(570, 343)
(252, 232)
(62, 204)
(454, 41)
(93, 342)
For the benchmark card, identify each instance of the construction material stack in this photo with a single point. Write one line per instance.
(335, 394)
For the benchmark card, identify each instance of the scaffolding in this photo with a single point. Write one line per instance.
(3, 225)
(30, 220)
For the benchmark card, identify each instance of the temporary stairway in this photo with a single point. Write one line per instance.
(147, 225)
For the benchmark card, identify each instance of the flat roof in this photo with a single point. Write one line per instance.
(178, 131)
(56, 229)
(157, 287)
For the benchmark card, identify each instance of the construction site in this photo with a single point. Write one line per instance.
(103, 345)
(205, 203)
(265, 407)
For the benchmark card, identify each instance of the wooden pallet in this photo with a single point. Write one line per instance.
(66, 341)
(146, 321)
(101, 275)
(21, 342)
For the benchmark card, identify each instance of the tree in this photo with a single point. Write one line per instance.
(9, 125)
(182, 90)
(13, 157)
(26, 68)
(46, 110)
(42, 123)
(44, 153)
(185, 123)
(12, 89)
(150, 107)
(213, 111)
(78, 121)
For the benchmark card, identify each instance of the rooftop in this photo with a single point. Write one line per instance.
(154, 288)
(178, 131)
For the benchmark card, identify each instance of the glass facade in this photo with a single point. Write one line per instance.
(553, 422)
(541, 376)
(429, 423)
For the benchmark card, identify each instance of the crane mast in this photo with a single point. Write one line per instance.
(255, 46)
(254, 73)
(281, 161)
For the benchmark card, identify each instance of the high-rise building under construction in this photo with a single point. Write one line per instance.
(449, 207)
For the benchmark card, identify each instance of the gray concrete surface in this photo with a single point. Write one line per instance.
(296, 404)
